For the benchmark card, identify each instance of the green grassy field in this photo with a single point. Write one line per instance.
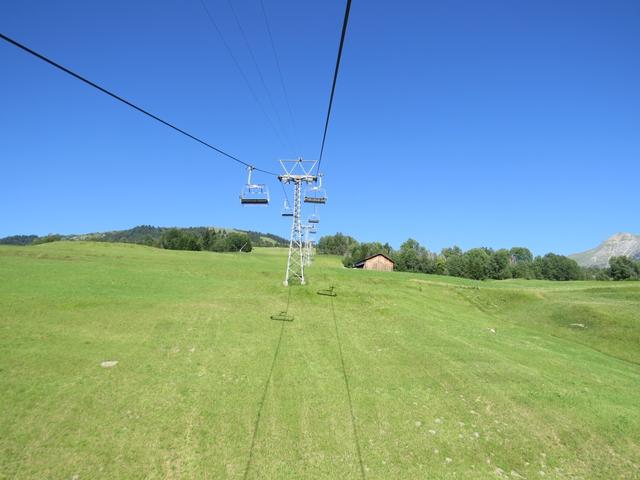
(399, 376)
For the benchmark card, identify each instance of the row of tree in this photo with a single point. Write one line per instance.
(205, 240)
(476, 263)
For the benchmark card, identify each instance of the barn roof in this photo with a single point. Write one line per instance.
(361, 262)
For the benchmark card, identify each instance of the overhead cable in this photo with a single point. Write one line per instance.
(128, 103)
(335, 79)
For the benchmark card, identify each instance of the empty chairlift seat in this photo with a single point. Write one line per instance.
(314, 218)
(254, 193)
(317, 194)
(287, 211)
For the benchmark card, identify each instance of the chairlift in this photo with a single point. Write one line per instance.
(254, 193)
(314, 218)
(287, 211)
(317, 194)
(312, 229)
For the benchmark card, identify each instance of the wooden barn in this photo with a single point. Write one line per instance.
(378, 262)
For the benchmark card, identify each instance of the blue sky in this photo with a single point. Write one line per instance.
(493, 123)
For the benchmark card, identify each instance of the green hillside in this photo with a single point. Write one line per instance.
(399, 376)
(144, 235)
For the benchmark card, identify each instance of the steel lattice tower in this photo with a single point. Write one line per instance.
(295, 262)
(296, 172)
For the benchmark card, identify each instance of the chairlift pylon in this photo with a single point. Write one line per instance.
(254, 193)
(317, 194)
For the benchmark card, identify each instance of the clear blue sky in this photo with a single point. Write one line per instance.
(492, 123)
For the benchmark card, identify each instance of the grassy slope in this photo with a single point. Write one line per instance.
(433, 393)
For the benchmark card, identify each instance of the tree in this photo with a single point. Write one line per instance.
(556, 267)
(454, 262)
(477, 263)
(236, 242)
(622, 268)
(175, 239)
(337, 244)
(207, 239)
(521, 263)
(172, 239)
(413, 257)
(499, 266)
(521, 255)
(451, 251)
(408, 258)
(456, 266)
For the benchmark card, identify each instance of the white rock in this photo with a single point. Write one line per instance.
(109, 363)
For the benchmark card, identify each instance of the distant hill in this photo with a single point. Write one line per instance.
(143, 234)
(18, 240)
(626, 244)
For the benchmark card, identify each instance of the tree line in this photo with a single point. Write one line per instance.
(189, 238)
(477, 263)
(206, 240)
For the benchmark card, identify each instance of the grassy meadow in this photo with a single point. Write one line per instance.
(400, 376)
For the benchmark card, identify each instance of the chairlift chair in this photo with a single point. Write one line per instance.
(317, 194)
(287, 211)
(254, 193)
(314, 218)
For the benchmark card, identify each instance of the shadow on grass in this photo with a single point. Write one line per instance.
(283, 317)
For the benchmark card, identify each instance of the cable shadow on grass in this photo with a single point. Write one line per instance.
(346, 383)
(266, 386)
